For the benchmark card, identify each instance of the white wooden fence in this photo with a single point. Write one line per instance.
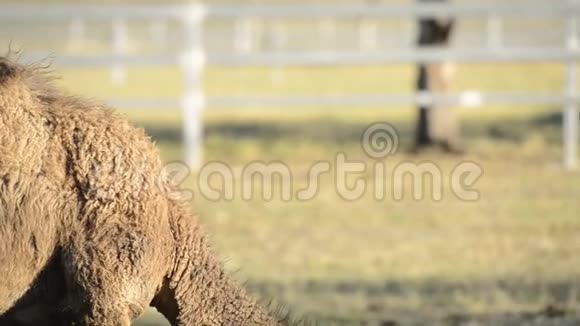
(193, 59)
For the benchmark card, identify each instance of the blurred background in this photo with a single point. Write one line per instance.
(298, 82)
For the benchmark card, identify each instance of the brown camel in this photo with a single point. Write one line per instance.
(88, 235)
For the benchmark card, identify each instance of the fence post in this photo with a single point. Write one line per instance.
(494, 27)
(120, 46)
(76, 32)
(570, 123)
(368, 34)
(243, 36)
(327, 32)
(158, 31)
(193, 103)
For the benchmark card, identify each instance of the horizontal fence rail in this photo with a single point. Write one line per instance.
(320, 58)
(416, 10)
(21, 12)
(469, 99)
(51, 13)
(466, 99)
(419, 55)
(194, 57)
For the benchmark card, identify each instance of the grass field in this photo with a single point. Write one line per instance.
(512, 256)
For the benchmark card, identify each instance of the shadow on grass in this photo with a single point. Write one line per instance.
(548, 125)
(428, 303)
(323, 131)
(420, 303)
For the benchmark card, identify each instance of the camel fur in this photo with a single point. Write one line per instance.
(88, 235)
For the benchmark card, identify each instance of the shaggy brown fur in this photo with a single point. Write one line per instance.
(87, 235)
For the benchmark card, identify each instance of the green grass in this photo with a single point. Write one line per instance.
(514, 250)
(323, 80)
